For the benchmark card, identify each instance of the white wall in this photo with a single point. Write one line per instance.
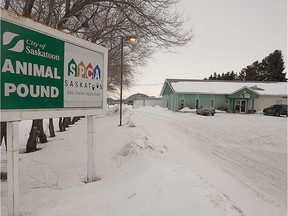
(156, 102)
(266, 101)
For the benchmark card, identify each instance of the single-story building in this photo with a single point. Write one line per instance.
(150, 101)
(110, 101)
(232, 96)
(138, 96)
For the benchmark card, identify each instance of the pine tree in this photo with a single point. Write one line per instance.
(233, 76)
(224, 76)
(241, 75)
(271, 68)
(273, 64)
(251, 71)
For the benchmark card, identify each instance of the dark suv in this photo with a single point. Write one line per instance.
(276, 109)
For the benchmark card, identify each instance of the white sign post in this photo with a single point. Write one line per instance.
(45, 73)
(91, 149)
(13, 167)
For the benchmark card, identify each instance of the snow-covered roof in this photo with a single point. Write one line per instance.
(225, 87)
(137, 96)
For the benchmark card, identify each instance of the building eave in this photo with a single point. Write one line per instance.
(167, 82)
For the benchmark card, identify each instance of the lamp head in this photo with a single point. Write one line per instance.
(132, 39)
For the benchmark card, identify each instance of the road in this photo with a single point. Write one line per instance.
(245, 156)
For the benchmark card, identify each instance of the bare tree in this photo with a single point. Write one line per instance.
(36, 132)
(51, 128)
(61, 124)
(157, 25)
(28, 8)
(104, 22)
(4, 133)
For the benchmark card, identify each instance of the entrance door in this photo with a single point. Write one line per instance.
(243, 106)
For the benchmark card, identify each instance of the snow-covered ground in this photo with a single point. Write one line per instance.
(159, 163)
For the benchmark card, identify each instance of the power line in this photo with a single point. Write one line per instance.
(155, 84)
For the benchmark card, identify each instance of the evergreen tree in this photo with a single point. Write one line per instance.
(241, 75)
(224, 76)
(251, 72)
(271, 68)
(273, 65)
(262, 71)
(233, 76)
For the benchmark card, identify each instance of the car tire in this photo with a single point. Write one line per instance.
(265, 113)
(212, 114)
(277, 113)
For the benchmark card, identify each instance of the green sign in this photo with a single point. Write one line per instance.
(39, 71)
(31, 69)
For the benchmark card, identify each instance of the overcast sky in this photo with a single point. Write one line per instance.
(229, 35)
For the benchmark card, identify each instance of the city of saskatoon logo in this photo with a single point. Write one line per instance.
(33, 68)
(13, 42)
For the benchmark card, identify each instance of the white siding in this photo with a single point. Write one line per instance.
(141, 103)
(266, 101)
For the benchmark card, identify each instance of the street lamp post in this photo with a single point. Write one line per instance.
(132, 39)
(121, 79)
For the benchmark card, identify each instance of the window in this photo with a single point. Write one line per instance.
(197, 102)
(212, 103)
(227, 104)
(182, 103)
(237, 105)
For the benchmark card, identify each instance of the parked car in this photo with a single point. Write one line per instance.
(205, 110)
(276, 110)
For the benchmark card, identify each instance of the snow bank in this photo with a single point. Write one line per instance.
(158, 163)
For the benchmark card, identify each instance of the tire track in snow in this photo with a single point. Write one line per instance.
(242, 148)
